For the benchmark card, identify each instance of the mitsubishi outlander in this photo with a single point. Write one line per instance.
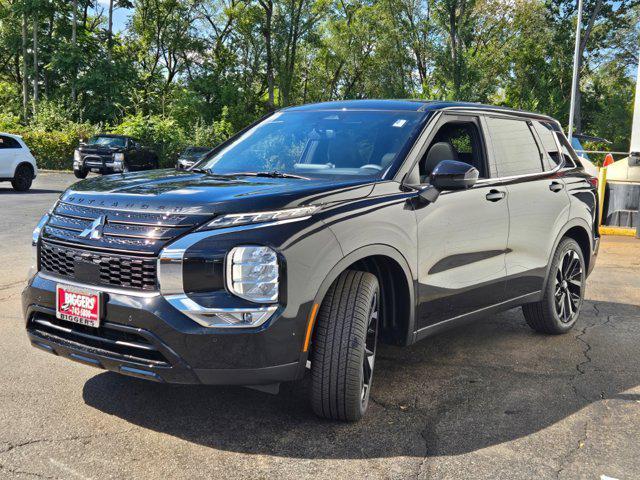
(309, 238)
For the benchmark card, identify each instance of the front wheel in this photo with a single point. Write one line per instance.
(344, 347)
(23, 178)
(81, 173)
(559, 308)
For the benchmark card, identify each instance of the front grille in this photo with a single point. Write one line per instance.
(111, 339)
(125, 271)
(138, 233)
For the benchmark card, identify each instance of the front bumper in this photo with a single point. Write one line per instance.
(142, 335)
(98, 164)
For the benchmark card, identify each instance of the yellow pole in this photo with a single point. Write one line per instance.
(602, 184)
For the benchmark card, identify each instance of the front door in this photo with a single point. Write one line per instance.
(462, 236)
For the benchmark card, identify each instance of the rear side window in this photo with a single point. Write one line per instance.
(8, 142)
(515, 148)
(547, 135)
(570, 156)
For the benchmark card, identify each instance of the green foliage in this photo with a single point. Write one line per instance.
(52, 149)
(192, 72)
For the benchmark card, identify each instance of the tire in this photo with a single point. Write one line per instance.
(344, 347)
(82, 173)
(23, 178)
(559, 308)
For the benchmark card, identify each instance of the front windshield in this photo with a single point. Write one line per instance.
(320, 143)
(107, 141)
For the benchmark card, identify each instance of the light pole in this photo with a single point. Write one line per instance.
(576, 63)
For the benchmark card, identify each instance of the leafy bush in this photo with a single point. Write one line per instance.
(163, 134)
(52, 134)
(53, 150)
(166, 136)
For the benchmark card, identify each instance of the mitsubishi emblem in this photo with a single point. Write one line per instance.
(95, 231)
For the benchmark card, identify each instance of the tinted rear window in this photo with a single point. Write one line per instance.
(515, 149)
(8, 142)
(547, 136)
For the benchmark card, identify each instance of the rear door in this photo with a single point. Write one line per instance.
(462, 236)
(536, 196)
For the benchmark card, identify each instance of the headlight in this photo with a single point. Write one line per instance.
(76, 156)
(252, 273)
(234, 219)
(35, 236)
(118, 157)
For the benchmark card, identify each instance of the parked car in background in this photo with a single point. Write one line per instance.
(17, 164)
(312, 236)
(112, 154)
(583, 156)
(191, 156)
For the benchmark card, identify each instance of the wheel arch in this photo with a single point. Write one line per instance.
(22, 162)
(396, 283)
(578, 230)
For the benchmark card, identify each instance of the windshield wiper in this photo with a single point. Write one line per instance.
(271, 174)
(209, 173)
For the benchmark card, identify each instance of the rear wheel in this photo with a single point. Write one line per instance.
(344, 348)
(559, 309)
(23, 178)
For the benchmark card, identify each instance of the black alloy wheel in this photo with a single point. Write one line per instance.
(369, 356)
(562, 297)
(568, 286)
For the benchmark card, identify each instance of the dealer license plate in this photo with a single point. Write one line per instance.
(78, 305)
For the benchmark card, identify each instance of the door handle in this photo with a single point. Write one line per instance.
(495, 195)
(556, 186)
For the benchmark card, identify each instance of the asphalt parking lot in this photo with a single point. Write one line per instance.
(492, 400)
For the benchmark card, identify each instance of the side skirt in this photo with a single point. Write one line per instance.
(436, 328)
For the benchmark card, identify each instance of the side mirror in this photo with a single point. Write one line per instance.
(453, 175)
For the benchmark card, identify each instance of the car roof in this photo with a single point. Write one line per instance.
(112, 135)
(412, 105)
(12, 135)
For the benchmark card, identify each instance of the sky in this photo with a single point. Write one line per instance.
(120, 15)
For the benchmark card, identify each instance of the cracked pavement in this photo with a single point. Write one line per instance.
(491, 400)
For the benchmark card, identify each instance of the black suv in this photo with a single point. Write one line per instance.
(311, 236)
(112, 154)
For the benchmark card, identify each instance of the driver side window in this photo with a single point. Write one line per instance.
(455, 140)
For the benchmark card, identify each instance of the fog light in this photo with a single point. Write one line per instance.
(252, 273)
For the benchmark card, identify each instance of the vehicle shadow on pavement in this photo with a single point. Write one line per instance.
(477, 386)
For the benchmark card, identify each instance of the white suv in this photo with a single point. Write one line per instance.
(16, 162)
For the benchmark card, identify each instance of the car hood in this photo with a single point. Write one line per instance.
(168, 191)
